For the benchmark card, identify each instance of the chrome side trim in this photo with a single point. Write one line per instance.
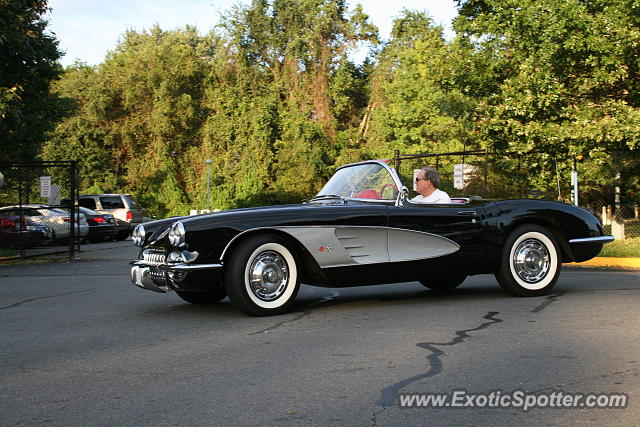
(599, 239)
(190, 267)
(177, 267)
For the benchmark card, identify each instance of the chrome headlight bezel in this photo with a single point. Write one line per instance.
(175, 257)
(177, 234)
(138, 235)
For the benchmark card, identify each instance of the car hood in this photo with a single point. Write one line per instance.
(262, 214)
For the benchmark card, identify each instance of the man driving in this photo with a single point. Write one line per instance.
(427, 183)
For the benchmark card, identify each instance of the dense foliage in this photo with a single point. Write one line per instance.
(28, 56)
(273, 100)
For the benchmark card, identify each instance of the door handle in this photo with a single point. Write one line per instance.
(467, 213)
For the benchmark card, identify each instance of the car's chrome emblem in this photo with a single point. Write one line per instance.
(325, 248)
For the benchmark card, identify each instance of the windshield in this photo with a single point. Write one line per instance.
(361, 181)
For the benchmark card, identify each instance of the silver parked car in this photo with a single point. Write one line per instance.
(55, 219)
(123, 207)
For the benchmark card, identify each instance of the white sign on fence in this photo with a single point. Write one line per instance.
(45, 186)
(462, 174)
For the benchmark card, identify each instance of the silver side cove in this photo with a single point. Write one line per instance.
(336, 246)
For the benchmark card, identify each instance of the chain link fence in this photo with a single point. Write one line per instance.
(607, 183)
(33, 219)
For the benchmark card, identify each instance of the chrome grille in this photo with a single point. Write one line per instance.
(153, 256)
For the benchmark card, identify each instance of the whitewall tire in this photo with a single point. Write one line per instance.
(261, 276)
(530, 263)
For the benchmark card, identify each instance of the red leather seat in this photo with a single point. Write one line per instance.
(368, 194)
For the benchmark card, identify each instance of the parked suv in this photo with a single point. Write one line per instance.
(123, 207)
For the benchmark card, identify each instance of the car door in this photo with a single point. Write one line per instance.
(455, 229)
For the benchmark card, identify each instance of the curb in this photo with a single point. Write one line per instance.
(609, 262)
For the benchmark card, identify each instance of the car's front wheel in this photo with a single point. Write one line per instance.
(261, 276)
(210, 297)
(530, 263)
(444, 283)
(122, 235)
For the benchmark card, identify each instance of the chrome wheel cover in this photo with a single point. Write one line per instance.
(531, 260)
(268, 275)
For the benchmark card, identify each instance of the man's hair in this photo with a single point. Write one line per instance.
(432, 175)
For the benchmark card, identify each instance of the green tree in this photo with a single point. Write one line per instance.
(293, 55)
(137, 115)
(28, 56)
(417, 104)
(566, 72)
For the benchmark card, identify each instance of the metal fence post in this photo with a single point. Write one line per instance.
(396, 162)
(617, 225)
(574, 181)
(72, 210)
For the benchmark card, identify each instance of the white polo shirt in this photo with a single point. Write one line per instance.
(437, 196)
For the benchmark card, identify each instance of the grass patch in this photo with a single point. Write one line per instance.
(7, 252)
(627, 248)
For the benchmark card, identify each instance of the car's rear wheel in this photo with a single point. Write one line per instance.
(210, 297)
(261, 276)
(530, 262)
(444, 283)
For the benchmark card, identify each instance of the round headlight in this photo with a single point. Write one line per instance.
(138, 235)
(177, 234)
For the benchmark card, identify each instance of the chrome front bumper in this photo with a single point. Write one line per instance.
(141, 274)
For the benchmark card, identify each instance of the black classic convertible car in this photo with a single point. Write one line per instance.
(361, 229)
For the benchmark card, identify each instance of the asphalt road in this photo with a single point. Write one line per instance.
(80, 345)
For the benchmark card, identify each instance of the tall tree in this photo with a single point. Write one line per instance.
(566, 72)
(138, 115)
(416, 105)
(28, 56)
(295, 54)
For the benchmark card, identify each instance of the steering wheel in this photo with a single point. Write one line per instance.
(384, 187)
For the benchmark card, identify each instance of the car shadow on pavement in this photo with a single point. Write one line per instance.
(312, 299)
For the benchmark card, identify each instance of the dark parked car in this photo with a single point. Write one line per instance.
(361, 229)
(101, 226)
(16, 233)
(55, 220)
